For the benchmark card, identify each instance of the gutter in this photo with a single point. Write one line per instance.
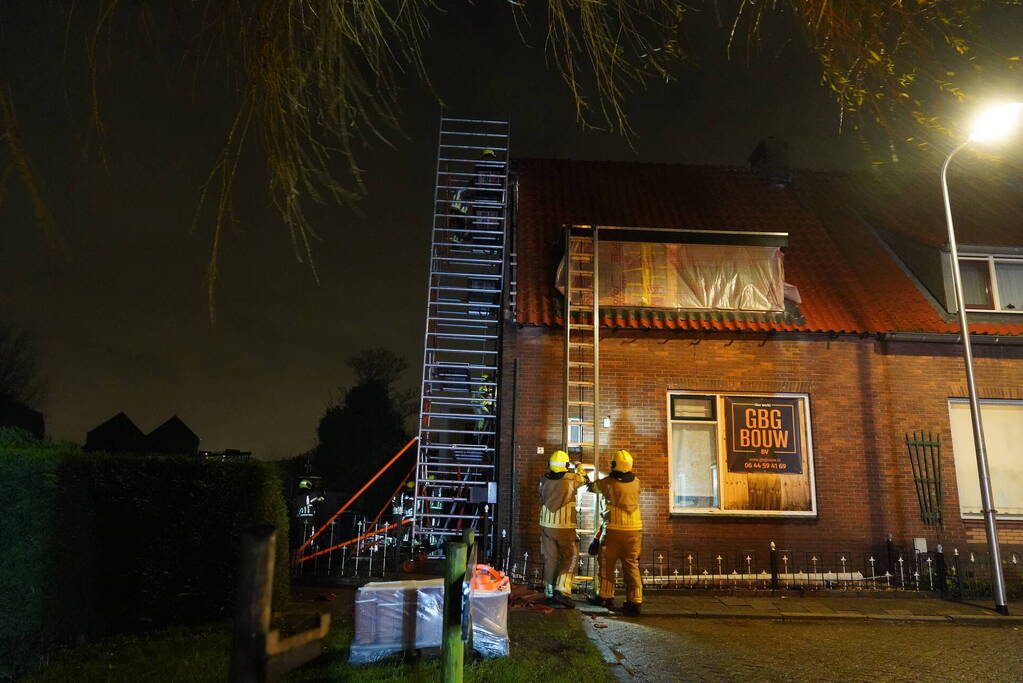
(942, 338)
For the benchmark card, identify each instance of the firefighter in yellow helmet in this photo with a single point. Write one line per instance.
(558, 542)
(623, 536)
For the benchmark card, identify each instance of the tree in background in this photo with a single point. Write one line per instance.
(19, 368)
(360, 432)
(312, 82)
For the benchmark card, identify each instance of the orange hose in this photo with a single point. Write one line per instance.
(354, 540)
(391, 499)
(352, 499)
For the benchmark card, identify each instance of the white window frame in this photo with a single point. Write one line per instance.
(992, 281)
(722, 464)
(983, 402)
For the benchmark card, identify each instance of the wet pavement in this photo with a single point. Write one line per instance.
(892, 606)
(728, 638)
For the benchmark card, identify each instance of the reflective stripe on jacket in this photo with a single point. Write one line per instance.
(622, 503)
(557, 501)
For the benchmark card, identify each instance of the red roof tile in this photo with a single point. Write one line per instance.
(847, 280)
(987, 208)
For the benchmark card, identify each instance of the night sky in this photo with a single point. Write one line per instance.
(121, 320)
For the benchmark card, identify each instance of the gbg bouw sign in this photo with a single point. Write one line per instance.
(763, 435)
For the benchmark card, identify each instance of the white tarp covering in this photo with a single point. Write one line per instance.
(689, 276)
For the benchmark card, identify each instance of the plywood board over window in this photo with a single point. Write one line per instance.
(748, 454)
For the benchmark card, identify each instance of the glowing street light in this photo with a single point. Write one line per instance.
(992, 124)
(996, 122)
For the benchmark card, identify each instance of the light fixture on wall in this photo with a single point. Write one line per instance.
(606, 422)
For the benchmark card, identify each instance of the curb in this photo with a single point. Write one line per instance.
(986, 619)
(610, 656)
(940, 618)
(966, 619)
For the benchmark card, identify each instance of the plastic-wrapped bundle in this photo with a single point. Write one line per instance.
(489, 609)
(395, 616)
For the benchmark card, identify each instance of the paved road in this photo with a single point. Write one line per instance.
(678, 649)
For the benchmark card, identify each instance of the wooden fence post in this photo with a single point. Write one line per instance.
(252, 605)
(452, 648)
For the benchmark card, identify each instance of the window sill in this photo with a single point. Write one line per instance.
(977, 519)
(1014, 311)
(714, 512)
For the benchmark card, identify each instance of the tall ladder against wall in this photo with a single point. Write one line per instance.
(582, 353)
(582, 359)
(456, 467)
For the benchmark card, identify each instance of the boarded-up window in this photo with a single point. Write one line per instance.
(740, 454)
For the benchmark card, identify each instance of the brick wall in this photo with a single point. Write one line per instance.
(864, 396)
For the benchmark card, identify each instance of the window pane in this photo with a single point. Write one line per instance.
(976, 285)
(694, 465)
(1003, 432)
(692, 407)
(1009, 277)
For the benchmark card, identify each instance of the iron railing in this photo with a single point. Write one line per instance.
(959, 575)
(372, 556)
(968, 574)
(771, 569)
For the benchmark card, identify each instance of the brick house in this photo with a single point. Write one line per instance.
(848, 344)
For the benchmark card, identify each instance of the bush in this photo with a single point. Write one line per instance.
(39, 603)
(98, 544)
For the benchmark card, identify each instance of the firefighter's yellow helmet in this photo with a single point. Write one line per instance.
(558, 462)
(622, 462)
(489, 154)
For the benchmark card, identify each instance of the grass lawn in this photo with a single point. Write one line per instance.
(176, 654)
(544, 647)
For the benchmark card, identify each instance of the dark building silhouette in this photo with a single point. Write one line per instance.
(19, 415)
(117, 435)
(172, 437)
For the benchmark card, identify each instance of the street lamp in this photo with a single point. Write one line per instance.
(992, 124)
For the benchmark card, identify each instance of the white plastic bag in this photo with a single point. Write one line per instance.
(489, 611)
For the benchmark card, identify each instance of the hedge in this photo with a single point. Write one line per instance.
(96, 544)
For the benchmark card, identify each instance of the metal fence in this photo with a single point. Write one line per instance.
(968, 574)
(958, 575)
(777, 569)
(373, 556)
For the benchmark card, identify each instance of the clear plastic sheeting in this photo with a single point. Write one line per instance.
(489, 611)
(397, 616)
(687, 276)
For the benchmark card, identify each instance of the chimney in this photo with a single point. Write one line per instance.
(770, 161)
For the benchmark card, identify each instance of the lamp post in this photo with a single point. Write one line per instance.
(992, 124)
